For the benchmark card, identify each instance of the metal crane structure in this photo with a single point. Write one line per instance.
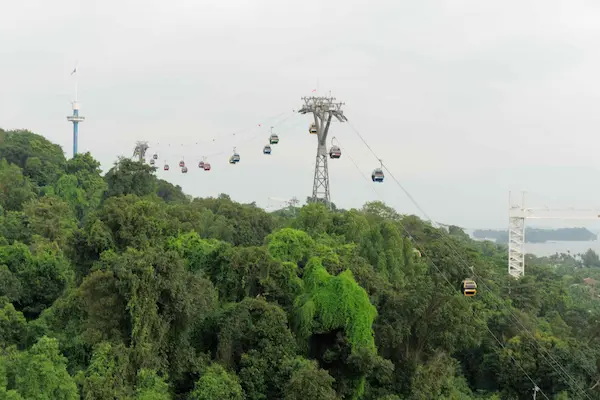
(140, 150)
(518, 213)
(323, 110)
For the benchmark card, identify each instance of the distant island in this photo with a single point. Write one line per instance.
(537, 235)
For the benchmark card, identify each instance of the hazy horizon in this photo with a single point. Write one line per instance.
(463, 100)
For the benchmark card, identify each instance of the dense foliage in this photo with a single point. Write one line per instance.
(122, 287)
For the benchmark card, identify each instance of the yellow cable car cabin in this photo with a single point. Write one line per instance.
(312, 129)
(469, 288)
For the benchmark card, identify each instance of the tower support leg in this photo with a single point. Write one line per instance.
(321, 180)
(75, 137)
(516, 246)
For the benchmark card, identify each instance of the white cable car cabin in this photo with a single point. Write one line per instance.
(468, 288)
(377, 175)
(201, 164)
(181, 164)
(267, 149)
(166, 167)
(312, 129)
(152, 162)
(184, 170)
(155, 156)
(273, 139)
(335, 152)
(206, 166)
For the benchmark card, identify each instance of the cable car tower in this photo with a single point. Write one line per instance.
(517, 213)
(140, 150)
(323, 110)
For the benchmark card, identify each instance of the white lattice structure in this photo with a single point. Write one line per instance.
(518, 213)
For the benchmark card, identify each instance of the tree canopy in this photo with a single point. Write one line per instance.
(122, 287)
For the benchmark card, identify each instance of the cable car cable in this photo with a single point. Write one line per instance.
(481, 281)
(253, 137)
(565, 373)
(239, 131)
(416, 244)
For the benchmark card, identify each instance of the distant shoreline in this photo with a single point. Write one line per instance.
(538, 235)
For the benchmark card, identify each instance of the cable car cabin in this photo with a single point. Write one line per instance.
(267, 150)
(166, 167)
(206, 167)
(231, 161)
(181, 164)
(312, 129)
(201, 164)
(155, 156)
(274, 139)
(184, 170)
(377, 175)
(152, 162)
(469, 288)
(335, 152)
(235, 157)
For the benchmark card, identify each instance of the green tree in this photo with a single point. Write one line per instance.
(217, 383)
(40, 373)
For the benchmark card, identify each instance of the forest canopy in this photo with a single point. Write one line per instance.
(120, 286)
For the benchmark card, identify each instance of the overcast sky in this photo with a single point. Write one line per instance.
(463, 100)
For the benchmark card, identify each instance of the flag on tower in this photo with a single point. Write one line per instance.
(74, 70)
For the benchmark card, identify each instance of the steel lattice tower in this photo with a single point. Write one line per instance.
(140, 151)
(323, 110)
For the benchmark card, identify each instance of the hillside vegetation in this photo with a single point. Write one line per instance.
(122, 287)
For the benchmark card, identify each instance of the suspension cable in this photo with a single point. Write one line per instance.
(572, 382)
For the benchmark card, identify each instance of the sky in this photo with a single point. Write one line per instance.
(462, 100)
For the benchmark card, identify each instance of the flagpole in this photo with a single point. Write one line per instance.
(76, 83)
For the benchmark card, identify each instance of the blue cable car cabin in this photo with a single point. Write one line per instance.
(267, 150)
(235, 158)
(468, 288)
(273, 139)
(335, 152)
(377, 175)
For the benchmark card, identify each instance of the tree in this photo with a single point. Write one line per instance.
(217, 383)
(40, 373)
